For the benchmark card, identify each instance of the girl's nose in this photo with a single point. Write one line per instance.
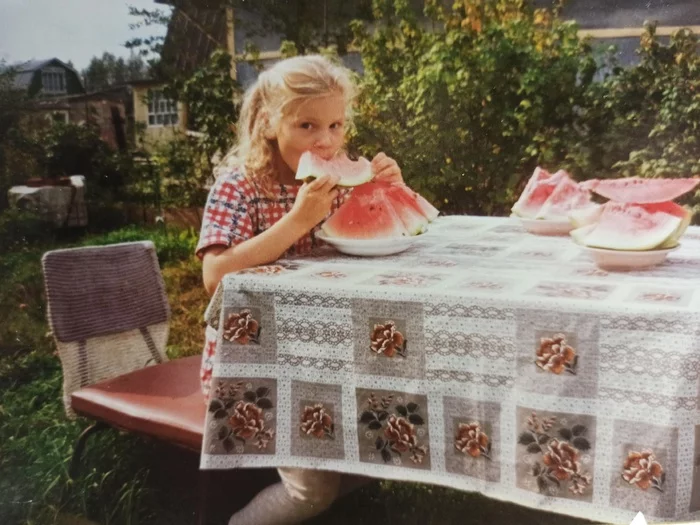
(323, 141)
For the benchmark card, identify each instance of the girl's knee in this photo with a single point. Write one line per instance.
(312, 487)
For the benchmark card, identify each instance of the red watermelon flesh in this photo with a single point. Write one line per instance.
(670, 207)
(536, 192)
(351, 173)
(365, 215)
(641, 191)
(567, 196)
(428, 210)
(406, 207)
(633, 227)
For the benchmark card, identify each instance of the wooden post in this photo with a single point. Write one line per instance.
(231, 40)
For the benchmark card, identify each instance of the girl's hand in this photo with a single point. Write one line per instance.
(386, 169)
(314, 201)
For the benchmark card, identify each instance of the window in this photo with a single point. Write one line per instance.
(161, 110)
(53, 80)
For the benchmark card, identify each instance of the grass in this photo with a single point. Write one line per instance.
(127, 480)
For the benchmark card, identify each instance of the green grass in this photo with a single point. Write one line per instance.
(127, 480)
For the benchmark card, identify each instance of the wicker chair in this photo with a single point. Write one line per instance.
(109, 315)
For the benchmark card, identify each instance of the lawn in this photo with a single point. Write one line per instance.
(130, 480)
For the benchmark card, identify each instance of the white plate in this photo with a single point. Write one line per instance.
(627, 260)
(547, 226)
(369, 247)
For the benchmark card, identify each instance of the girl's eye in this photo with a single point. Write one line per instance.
(306, 125)
(336, 125)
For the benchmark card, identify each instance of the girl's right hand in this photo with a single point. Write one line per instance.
(314, 200)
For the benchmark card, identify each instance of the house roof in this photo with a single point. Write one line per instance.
(196, 29)
(26, 70)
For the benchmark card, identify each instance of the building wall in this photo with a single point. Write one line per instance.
(152, 135)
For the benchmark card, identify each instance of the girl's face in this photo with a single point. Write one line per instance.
(316, 125)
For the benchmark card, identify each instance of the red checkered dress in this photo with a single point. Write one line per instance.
(237, 210)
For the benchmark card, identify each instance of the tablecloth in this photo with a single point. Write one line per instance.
(62, 205)
(483, 358)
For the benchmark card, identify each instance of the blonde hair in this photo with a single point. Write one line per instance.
(272, 97)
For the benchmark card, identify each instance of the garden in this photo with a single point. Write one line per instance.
(468, 104)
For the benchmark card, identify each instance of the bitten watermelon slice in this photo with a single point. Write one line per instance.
(365, 215)
(641, 191)
(567, 196)
(351, 173)
(631, 227)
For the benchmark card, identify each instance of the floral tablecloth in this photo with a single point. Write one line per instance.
(483, 358)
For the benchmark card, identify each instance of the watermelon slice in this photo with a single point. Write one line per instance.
(536, 192)
(402, 193)
(632, 227)
(590, 214)
(351, 173)
(407, 207)
(567, 196)
(365, 215)
(579, 234)
(641, 191)
(684, 214)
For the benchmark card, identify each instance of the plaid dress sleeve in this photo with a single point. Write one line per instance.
(228, 213)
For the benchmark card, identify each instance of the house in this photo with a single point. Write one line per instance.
(47, 78)
(156, 118)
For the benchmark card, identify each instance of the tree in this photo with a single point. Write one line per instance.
(108, 70)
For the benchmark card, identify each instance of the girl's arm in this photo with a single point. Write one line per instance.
(269, 246)
(310, 207)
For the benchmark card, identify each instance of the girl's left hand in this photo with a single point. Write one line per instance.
(386, 169)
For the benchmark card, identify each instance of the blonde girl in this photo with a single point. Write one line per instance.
(257, 212)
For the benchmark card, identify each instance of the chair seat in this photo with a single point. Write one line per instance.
(163, 401)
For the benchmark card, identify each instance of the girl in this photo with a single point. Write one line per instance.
(256, 212)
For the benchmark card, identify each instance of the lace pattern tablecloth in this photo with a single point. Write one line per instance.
(484, 358)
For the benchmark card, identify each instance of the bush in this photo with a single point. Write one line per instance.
(644, 120)
(472, 99)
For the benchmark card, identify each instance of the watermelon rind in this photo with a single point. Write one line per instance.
(351, 172)
(581, 217)
(675, 237)
(579, 234)
(630, 227)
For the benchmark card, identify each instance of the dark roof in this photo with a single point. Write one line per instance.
(26, 70)
(194, 33)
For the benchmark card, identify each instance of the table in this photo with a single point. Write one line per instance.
(483, 358)
(61, 205)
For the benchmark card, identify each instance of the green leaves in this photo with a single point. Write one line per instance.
(496, 96)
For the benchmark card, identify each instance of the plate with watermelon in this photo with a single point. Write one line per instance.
(638, 226)
(377, 218)
(544, 206)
